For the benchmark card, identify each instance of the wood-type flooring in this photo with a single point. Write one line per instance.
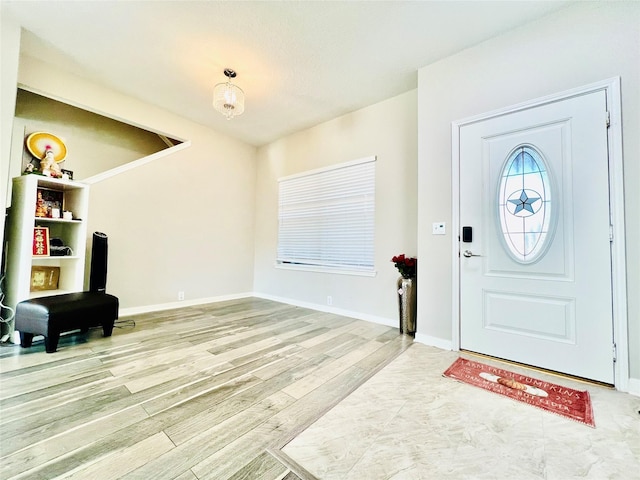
(205, 392)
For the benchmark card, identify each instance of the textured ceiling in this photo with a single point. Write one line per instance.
(299, 63)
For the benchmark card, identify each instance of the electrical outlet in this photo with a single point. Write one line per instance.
(329, 300)
(180, 295)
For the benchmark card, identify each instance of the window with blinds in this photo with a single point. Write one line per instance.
(326, 218)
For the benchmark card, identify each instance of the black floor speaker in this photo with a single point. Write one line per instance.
(98, 275)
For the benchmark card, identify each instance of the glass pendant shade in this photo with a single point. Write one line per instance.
(228, 99)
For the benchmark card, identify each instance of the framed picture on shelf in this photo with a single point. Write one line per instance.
(40, 242)
(44, 278)
(68, 173)
(49, 201)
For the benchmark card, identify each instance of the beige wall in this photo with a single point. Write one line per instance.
(386, 130)
(94, 143)
(181, 223)
(580, 45)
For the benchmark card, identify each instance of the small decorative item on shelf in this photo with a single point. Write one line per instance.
(41, 207)
(40, 242)
(67, 174)
(407, 294)
(44, 278)
(49, 203)
(57, 248)
(49, 150)
(48, 165)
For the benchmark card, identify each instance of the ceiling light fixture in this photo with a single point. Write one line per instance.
(228, 98)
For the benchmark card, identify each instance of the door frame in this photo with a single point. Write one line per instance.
(611, 87)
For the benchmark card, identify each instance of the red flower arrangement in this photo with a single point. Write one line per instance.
(406, 265)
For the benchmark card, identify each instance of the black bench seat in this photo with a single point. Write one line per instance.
(50, 316)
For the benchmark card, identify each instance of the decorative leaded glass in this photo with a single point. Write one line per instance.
(524, 204)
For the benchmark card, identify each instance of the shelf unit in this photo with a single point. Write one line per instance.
(22, 221)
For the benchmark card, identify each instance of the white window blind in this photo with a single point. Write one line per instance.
(326, 217)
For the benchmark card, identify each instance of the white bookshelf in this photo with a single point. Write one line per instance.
(22, 220)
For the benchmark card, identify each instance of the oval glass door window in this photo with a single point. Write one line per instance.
(524, 204)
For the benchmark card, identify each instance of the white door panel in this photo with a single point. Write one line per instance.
(539, 291)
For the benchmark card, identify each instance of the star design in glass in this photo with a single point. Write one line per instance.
(524, 202)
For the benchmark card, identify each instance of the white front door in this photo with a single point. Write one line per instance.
(535, 269)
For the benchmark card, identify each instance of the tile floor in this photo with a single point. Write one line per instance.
(409, 422)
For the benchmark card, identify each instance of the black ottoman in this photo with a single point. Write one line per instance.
(50, 316)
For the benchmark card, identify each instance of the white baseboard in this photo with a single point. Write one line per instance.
(125, 312)
(434, 341)
(634, 386)
(330, 309)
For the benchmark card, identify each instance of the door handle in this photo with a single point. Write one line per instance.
(469, 253)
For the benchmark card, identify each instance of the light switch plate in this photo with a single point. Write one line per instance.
(439, 228)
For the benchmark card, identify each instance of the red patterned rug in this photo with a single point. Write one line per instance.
(563, 401)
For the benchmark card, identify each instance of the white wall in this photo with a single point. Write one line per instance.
(386, 130)
(10, 57)
(574, 47)
(181, 223)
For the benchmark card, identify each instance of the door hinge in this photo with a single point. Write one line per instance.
(608, 119)
(610, 233)
(615, 353)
